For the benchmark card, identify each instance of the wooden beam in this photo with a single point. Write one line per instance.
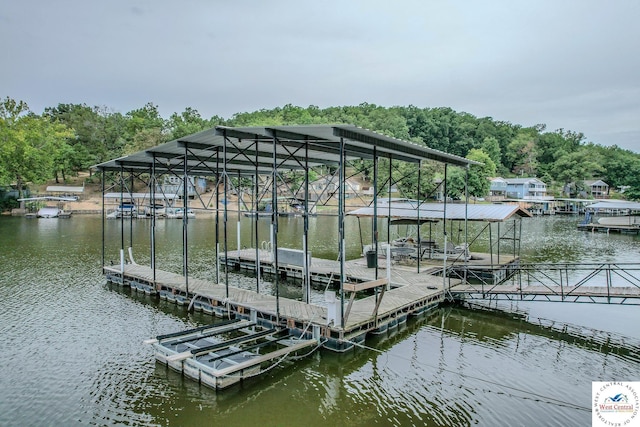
(356, 287)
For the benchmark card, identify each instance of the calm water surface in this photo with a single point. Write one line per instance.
(72, 351)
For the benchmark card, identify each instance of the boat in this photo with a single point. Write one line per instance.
(157, 209)
(113, 215)
(178, 213)
(621, 221)
(123, 210)
(49, 212)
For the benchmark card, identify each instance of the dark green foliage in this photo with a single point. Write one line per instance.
(633, 194)
(559, 157)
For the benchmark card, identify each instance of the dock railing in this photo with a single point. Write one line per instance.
(611, 283)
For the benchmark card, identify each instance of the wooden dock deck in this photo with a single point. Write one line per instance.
(403, 272)
(607, 228)
(412, 294)
(376, 308)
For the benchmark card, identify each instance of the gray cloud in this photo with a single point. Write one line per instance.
(570, 64)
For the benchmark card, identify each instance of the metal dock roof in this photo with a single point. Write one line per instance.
(615, 204)
(435, 211)
(245, 149)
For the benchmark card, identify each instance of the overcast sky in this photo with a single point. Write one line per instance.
(571, 64)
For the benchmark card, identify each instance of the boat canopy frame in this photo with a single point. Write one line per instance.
(229, 153)
(246, 148)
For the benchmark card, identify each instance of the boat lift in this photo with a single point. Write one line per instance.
(236, 158)
(229, 155)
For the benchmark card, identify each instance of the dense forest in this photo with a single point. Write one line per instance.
(69, 138)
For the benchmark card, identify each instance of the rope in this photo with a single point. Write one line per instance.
(307, 327)
(262, 371)
(282, 359)
(331, 276)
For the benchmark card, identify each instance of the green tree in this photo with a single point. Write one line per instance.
(29, 144)
(405, 176)
(65, 159)
(189, 122)
(621, 167)
(145, 128)
(491, 147)
(456, 178)
(479, 174)
(521, 155)
(632, 194)
(577, 166)
(98, 133)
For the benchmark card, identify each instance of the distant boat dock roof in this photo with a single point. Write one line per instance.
(433, 212)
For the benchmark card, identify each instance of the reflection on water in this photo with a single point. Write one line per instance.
(555, 239)
(73, 354)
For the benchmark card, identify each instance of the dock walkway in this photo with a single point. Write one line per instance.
(417, 293)
(610, 228)
(326, 271)
(626, 295)
(610, 283)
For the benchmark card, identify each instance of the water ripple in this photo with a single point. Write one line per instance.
(73, 354)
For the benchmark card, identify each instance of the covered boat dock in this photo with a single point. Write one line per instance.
(494, 260)
(256, 157)
(612, 216)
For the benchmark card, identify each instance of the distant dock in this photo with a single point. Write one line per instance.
(606, 228)
(612, 217)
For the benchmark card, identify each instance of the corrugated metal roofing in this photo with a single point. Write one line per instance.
(247, 149)
(158, 196)
(435, 211)
(615, 204)
(64, 189)
(522, 180)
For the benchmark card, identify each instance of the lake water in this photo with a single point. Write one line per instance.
(72, 351)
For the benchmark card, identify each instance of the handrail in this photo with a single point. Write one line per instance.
(574, 282)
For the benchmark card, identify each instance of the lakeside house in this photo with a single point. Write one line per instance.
(498, 187)
(526, 188)
(598, 189)
(173, 184)
(11, 192)
(595, 188)
(327, 186)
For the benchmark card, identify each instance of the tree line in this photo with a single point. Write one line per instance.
(70, 138)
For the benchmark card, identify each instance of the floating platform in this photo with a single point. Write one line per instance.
(404, 271)
(223, 354)
(610, 228)
(376, 308)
